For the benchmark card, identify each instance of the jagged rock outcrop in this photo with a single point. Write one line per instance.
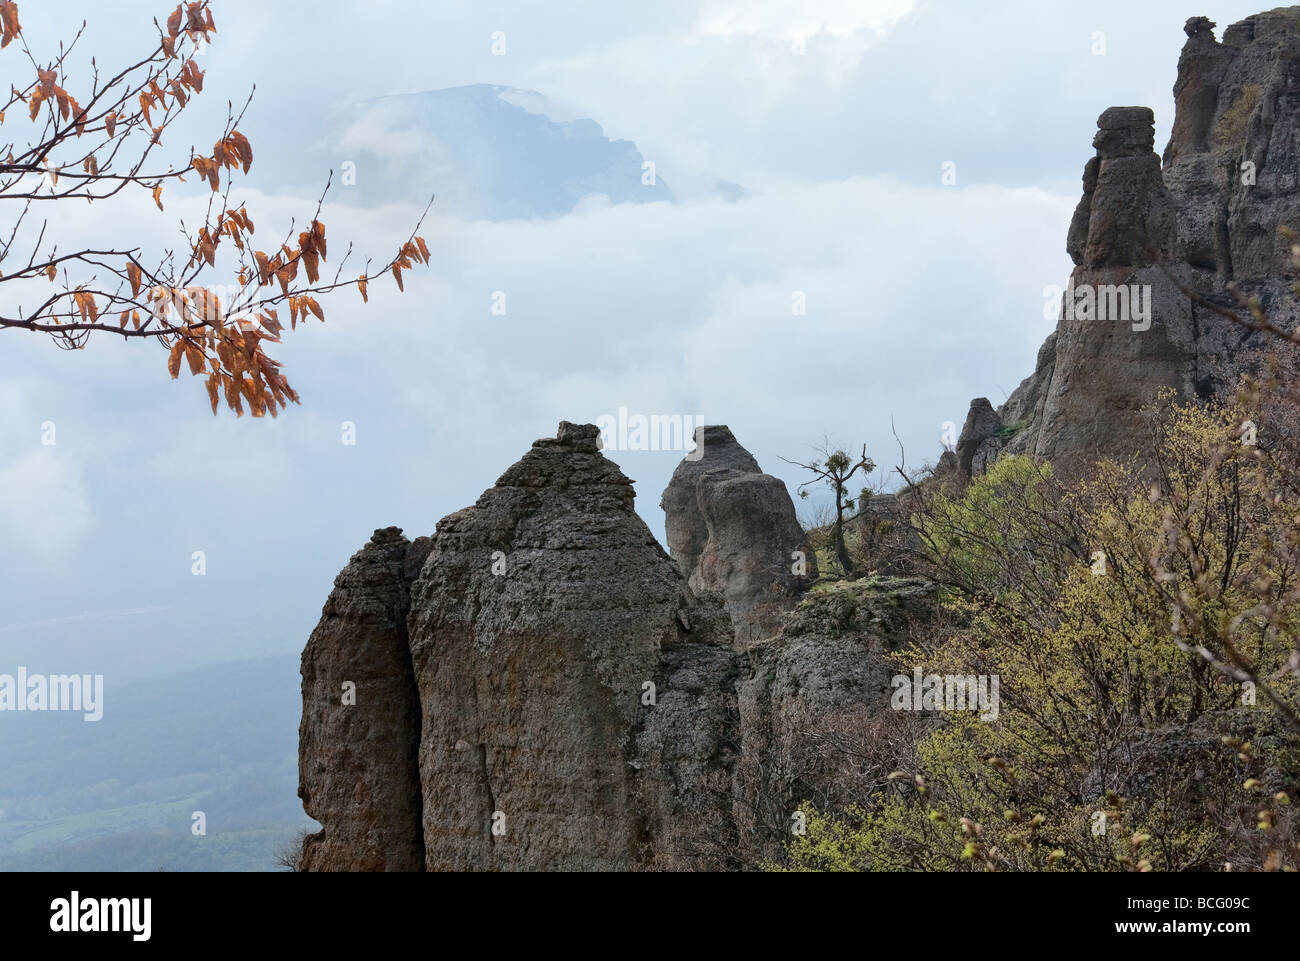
(1176, 234)
(817, 702)
(1233, 160)
(357, 767)
(577, 696)
(981, 437)
(732, 530)
(1124, 330)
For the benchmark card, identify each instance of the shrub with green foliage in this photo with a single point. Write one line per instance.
(1143, 626)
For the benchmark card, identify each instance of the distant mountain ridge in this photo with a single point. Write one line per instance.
(488, 152)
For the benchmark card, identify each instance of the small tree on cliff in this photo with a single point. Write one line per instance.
(95, 142)
(836, 469)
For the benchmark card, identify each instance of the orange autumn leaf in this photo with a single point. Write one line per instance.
(174, 359)
(309, 257)
(86, 305)
(318, 237)
(232, 395)
(271, 326)
(78, 115)
(234, 151)
(9, 26)
(157, 196)
(195, 358)
(194, 18)
(192, 76)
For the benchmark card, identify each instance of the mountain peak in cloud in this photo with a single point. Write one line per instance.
(487, 152)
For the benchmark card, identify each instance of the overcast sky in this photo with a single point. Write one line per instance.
(836, 116)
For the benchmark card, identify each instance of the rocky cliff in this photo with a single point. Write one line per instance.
(1156, 245)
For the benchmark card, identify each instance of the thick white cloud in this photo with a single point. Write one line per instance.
(799, 19)
(44, 511)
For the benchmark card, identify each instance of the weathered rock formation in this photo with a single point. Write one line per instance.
(732, 530)
(1167, 238)
(357, 766)
(981, 437)
(564, 700)
(538, 687)
(542, 616)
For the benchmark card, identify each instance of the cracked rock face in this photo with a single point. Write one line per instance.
(1238, 120)
(1214, 212)
(357, 767)
(732, 530)
(574, 690)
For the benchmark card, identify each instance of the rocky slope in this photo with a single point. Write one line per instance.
(814, 709)
(1169, 236)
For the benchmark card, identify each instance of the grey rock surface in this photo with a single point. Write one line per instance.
(817, 698)
(981, 437)
(357, 767)
(1216, 211)
(733, 530)
(561, 699)
(540, 619)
